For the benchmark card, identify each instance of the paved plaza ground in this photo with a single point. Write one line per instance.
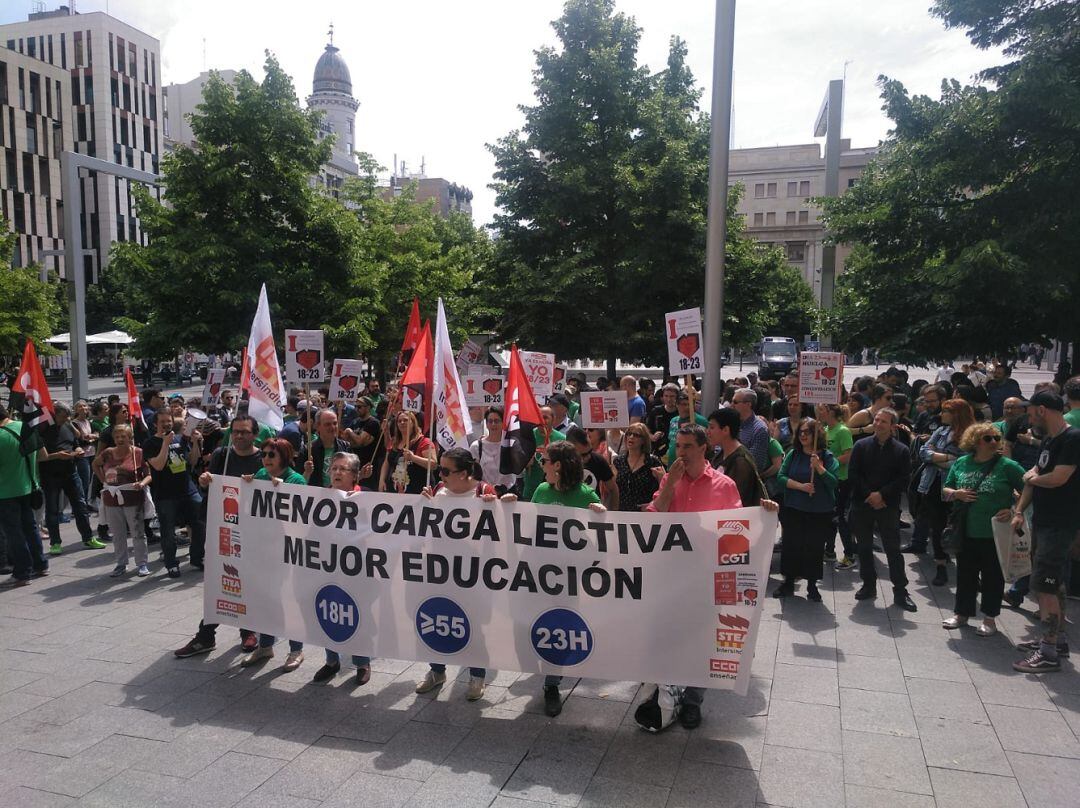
(851, 704)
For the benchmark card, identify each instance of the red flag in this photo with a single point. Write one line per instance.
(243, 371)
(418, 381)
(412, 334)
(30, 393)
(521, 417)
(134, 405)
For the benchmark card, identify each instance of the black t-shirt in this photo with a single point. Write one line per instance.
(1026, 454)
(366, 454)
(59, 439)
(659, 420)
(174, 481)
(238, 464)
(597, 471)
(1057, 507)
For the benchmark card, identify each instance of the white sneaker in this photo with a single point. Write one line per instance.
(431, 681)
(293, 661)
(258, 655)
(476, 688)
(143, 571)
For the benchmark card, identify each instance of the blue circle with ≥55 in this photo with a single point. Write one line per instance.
(442, 625)
(336, 612)
(562, 637)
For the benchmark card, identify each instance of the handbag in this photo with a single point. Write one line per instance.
(952, 538)
(37, 496)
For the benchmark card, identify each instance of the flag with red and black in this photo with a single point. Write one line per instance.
(521, 415)
(30, 398)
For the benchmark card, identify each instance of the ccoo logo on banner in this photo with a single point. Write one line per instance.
(509, 586)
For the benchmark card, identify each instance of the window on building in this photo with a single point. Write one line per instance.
(78, 49)
(153, 71)
(851, 182)
(63, 51)
(12, 180)
(759, 190)
(759, 220)
(48, 99)
(804, 188)
(28, 172)
(795, 251)
(88, 89)
(3, 83)
(133, 61)
(112, 60)
(127, 96)
(31, 133)
(120, 228)
(50, 50)
(804, 217)
(22, 89)
(76, 91)
(770, 190)
(45, 181)
(80, 125)
(35, 93)
(31, 47)
(789, 217)
(770, 219)
(153, 106)
(57, 138)
(146, 136)
(145, 64)
(793, 189)
(120, 56)
(89, 51)
(114, 89)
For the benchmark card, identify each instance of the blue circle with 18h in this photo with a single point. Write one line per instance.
(336, 612)
(442, 625)
(562, 637)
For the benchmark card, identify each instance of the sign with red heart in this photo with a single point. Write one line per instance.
(345, 384)
(483, 390)
(820, 373)
(684, 340)
(304, 356)
(215, 379)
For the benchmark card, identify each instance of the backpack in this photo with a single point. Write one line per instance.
(660, 710)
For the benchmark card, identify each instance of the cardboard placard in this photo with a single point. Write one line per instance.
(685, 343)
(483, 390)
(304, 356)
(540, 371)
(604, 409)
(211, 392)
(346, 380)
(820, 375)
(559, 378)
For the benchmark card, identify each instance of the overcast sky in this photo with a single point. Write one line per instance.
(438, 80)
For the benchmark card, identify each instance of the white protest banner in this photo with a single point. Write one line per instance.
(470, 354)
(211, 392)
(483, 390)
(540, 371)
(345, 384)
(685, 346)
(303, 356)
(521, 587)
(604, 410)
(558, 378)
(820, 376)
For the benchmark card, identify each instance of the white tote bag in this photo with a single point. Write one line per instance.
(1013, 550)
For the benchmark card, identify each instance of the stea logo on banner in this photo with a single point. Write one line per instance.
(230, 506)
(230, 580)
(733, 547)
(732, 633)
(723, 668)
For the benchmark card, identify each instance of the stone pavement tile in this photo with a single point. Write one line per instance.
(605, 793)
(229, 778)
(371, 791)
(264, 798)
(67, 740)
(700, 784)
(415, 752)
(282, 741)
(808, 649)
(934, 698)
(645, 758)
(800, 778)
(721, 704)
(810, 685)
(951, 744)
(502, 801)
(867, 711)
(882, 675)
(193, 751)
(320, 769)
(585, 721)
(464, 783)
(864, 797)
(885, 761)
(22, 797)
(804, 726)
(1013, 691)
(554, 772)
(1039, 732)
(81, 701)
(924, 663)
(52, 686)
(955, 789)
(451, 707)
(24, 680)
(526, 694)
(134, 789)
(730, 741)
(611, 691)
(86, 771)
(1068, 704)
(16, 703)
(501, 736)
(1046, 781)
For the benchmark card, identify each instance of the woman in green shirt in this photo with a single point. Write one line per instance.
(840, 442)
(986, 482)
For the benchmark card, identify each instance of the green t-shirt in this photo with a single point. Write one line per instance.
(16, 480)
(776, 449)
(673, 428)
(1072, 417)
(580, 497)
(995, 492)
(839, 441)
(290, 476)
(534, 474)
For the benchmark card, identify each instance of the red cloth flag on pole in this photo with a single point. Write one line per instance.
(521, 417)
(418, 381)
(448, 396)
(265, 388)
(30, 395)
(134, 405)
(243, 371)
(412, 335)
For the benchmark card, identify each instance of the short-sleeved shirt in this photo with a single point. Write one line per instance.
(1072, 417)
(673, 430)
(1026, 454)
(596, 471)
(372, 427)
(712, 490)
(636, 488)
(59, 439)
(534, 473)
(636, 407)
(1057, 507)
(15, 479)
(580, 497)
(840, 440)
(174, 481)
(995, 491)
(290, 476)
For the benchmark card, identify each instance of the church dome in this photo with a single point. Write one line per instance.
(331, 73)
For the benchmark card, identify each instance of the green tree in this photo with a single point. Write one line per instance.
(242, 212)
(965, 225)
(28, 308)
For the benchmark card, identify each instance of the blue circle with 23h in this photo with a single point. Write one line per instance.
(561, 637)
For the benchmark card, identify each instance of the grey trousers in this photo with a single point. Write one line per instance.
(124, 523)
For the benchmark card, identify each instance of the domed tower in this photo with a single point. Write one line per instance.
(332, 95)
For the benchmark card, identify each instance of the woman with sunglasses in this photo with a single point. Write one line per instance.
(460, 477)
(985, 481)
(797, 413)
(809, 479)
(277, 455)
(637, 470)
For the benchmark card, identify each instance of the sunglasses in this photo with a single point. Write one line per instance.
(991, 438)
(805, 432)
(269, 453)
(445, 472)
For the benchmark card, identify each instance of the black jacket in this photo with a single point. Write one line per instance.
(879, 467)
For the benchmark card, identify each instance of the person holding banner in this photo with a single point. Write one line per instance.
(460, 476)
(409, 459)
(985, 483)
(809, 479)
(486, 452)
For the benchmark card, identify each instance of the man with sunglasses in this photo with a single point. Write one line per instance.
(597, 472)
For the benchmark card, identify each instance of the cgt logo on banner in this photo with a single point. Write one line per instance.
(512, 586)
(733, 547)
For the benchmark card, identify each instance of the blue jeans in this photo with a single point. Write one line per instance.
(267, 640)
(82, 468)
(68, 485)
(23, 542)
(333, 657)
(439, 667)
(169, 511)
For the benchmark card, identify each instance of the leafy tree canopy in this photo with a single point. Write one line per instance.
(28, 307)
